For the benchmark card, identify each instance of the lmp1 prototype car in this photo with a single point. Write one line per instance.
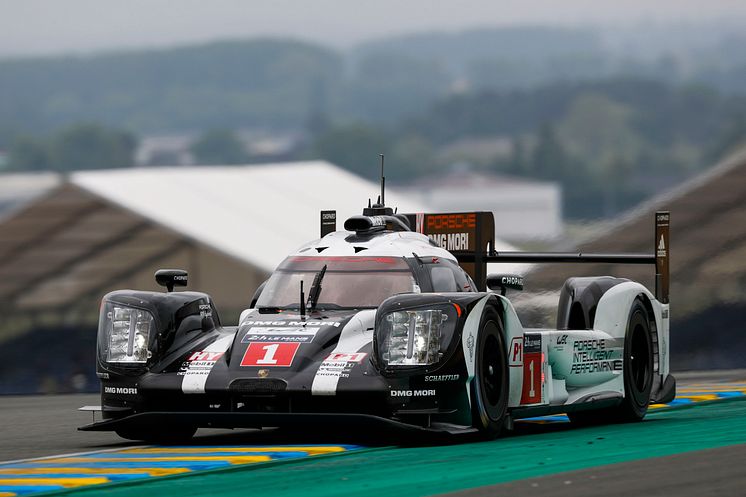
(386, 326)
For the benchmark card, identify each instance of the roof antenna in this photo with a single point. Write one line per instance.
(379, 208)
(302, 302)
(383, 184)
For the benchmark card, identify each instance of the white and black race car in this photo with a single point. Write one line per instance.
(380, 325)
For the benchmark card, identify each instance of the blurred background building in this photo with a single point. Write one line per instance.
(18, 189)
(525, 210)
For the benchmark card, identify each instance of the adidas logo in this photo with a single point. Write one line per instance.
(661, 248)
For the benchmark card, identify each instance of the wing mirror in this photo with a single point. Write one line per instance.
(502, 282)
(171, 278)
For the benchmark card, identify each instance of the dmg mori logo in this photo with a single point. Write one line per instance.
(121, 390)
(412, 393)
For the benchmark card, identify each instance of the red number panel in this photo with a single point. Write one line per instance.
(270, 354)
(533, 369)
(532, 373)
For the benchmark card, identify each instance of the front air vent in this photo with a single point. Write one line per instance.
(321, 249)
(258, 385)
(360, 249)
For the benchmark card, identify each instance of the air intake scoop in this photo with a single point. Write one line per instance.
(377, 223)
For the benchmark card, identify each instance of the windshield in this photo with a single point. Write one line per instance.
(349, 282)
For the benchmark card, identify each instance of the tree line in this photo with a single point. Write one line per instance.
(609, 144)
(541, 103)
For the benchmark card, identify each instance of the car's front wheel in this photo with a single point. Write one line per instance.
(490, 387)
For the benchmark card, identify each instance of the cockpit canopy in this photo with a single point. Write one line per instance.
(349, 282)
(359, 282)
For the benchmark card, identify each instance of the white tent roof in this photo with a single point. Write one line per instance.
(257, 214)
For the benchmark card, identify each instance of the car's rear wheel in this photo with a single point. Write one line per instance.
(490, 385)
(638, 374)
(638, 366)
(161, 435)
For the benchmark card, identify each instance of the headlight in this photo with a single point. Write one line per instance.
(415, 337)
(125, 334)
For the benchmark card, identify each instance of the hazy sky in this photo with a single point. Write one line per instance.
(54, 26)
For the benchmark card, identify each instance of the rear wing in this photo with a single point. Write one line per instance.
(470, 237)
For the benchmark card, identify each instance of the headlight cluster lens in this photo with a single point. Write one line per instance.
(127, 333)
(416, 337)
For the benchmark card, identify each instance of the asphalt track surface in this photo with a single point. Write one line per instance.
(713, 464)
(711, 472)
(39, 426)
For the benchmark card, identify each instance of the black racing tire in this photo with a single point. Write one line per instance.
(167, 436)
(638, 366)
(638, 375)
(490, 387)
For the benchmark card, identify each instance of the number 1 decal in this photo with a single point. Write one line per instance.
(268, 358)
(271, 354)
(533, 368)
